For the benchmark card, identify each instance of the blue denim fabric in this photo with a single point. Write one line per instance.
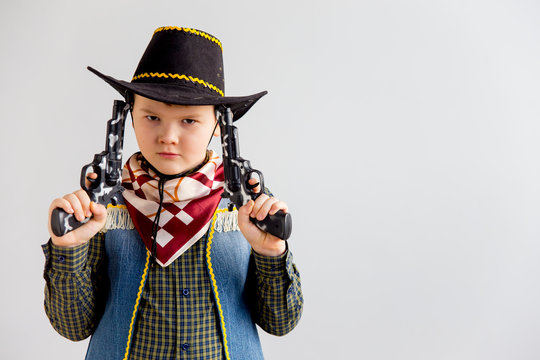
(230, 254)
(126, 257)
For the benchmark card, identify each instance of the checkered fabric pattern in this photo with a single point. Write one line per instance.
(73, 290)
(178, 301)
(279, 298)
(177, 315)
(188, 204)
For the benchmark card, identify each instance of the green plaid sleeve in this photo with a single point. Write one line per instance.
(72, 296)
(279, 295)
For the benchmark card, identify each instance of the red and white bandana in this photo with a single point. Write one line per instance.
(189, 203)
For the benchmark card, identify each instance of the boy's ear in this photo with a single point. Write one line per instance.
(216, 127)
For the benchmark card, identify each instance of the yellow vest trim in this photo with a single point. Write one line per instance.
(116, 206)
(213, 281)
(141, 286)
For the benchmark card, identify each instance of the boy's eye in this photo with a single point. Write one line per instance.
(189, 121)
(152, 118)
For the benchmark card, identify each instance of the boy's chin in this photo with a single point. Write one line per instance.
(172, 169)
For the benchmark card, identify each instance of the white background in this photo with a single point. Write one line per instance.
(402, 134)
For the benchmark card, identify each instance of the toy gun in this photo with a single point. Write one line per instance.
(107, 165)
(237, 173)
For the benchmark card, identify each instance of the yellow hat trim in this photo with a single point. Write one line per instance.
(181, 77)
(193, 31)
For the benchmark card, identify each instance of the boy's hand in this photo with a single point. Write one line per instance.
(262, 242)
(79, 204)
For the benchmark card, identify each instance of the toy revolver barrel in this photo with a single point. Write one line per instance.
(108, 167)
(237, 173)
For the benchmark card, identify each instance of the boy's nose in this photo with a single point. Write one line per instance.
(169, 135)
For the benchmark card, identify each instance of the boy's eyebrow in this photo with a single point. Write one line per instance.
(146, 110)
(184, 116)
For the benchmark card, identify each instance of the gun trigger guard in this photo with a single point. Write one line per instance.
(260, 182)
(92, 181)
(84, 177)
(251, 187)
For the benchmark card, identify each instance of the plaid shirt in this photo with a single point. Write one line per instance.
(177, 315)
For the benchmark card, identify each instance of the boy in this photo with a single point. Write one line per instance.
(167, 273)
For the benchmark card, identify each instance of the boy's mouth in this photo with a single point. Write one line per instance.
(168, 155)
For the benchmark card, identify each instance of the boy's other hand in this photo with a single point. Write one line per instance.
(79, 204)
(262, 242)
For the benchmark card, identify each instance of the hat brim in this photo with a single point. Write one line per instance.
(181, 95)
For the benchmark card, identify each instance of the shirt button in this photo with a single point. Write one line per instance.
(61, 258)
(185, 346)
(186, 293)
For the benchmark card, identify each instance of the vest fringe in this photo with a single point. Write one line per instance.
(118, 218)
(227, 221)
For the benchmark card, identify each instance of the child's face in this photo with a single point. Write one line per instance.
(173, 138)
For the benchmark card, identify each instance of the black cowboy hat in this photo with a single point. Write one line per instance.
(182, 66)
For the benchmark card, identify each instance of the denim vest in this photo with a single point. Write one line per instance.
(127, 270)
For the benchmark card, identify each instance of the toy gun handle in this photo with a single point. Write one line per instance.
(62, 222)
(279, 224)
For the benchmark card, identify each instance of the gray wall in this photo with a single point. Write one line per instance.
(402, 134)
